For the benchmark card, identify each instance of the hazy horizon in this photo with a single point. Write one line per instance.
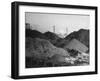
(63, 23)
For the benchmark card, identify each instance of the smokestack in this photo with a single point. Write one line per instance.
(66, 30)
(54, 28)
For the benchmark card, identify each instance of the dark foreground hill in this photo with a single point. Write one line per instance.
(41, 50)
(34, 34)
(52, 37)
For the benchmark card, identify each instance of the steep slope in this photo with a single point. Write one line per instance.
(76, 45)
(82, 35)
(42, 47)
(40, 51)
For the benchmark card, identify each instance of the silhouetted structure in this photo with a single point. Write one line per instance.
(54, 28)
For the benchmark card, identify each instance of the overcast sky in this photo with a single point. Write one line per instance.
(45, 22)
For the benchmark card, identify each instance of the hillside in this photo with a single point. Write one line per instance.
(49, 50)
(34, 34)
(42, 49)
(52, 37)
(82, 35)
(76, 45)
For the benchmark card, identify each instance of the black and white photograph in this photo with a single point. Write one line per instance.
(50, 40)
(55, 40)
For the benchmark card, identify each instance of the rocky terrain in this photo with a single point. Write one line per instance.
(49, 50)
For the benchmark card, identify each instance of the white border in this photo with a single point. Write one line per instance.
(53, 70)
